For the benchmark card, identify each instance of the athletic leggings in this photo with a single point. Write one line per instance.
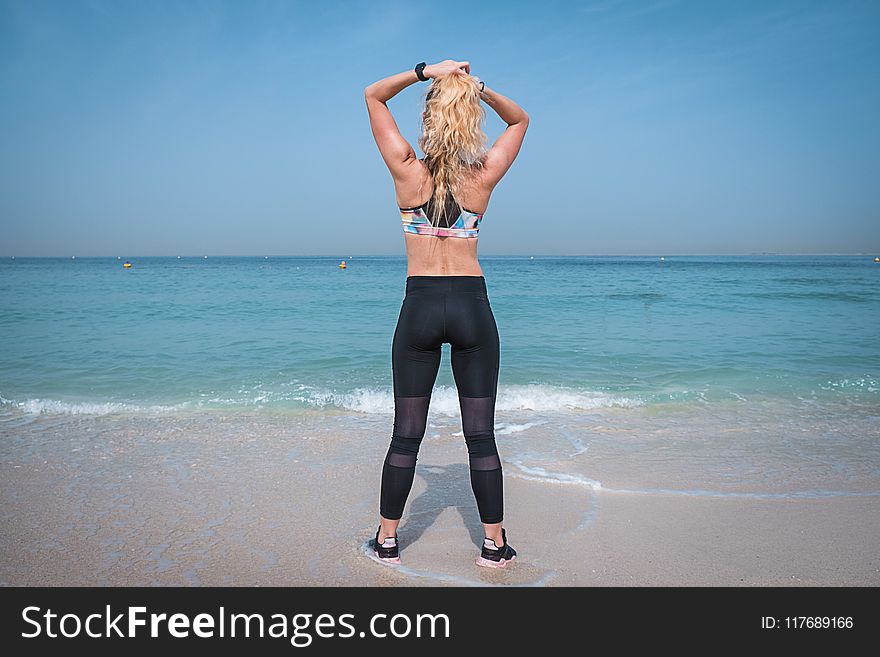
(438, 309)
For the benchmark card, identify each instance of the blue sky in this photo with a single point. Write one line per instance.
(658, 127)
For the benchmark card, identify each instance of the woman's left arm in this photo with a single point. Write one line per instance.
(397, 151)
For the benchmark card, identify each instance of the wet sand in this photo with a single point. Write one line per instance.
(249, 501)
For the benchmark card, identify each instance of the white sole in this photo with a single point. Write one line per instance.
(488, 563)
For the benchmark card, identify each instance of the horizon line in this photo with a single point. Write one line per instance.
(497, 255)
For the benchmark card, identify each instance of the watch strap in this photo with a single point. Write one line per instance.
(420, 71)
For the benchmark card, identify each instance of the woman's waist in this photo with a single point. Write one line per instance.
(466, 267)
(447, 284)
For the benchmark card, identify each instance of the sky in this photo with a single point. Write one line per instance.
(240, 128)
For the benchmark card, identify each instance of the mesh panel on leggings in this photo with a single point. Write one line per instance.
(398, 472)
(410, 416)
(478, 426)
(400, 460)
(483, 463)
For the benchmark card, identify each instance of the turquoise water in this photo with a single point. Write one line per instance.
(85, 335)
(753, 376)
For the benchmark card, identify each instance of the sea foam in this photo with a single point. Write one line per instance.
(444, 399)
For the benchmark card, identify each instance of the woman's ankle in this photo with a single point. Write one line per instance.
(494, 533)
(387, 529)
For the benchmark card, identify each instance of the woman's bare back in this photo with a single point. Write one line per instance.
(428, 255)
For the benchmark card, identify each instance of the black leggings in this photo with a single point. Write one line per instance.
(438, 309)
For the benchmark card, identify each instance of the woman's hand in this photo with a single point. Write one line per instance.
(447, 67)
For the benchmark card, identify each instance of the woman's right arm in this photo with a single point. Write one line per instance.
(505, 149)
(509, 111)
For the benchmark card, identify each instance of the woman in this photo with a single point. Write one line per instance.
(446, 297)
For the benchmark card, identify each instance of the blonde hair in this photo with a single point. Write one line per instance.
(452, 136)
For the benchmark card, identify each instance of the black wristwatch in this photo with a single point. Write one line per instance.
(419, 73)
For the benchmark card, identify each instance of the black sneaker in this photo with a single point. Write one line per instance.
(493, 556)
(388, 550)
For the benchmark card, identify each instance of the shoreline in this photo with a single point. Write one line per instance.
(166, 502)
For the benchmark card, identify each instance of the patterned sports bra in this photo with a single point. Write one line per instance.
(455, 221)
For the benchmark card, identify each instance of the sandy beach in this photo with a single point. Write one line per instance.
(259, 501)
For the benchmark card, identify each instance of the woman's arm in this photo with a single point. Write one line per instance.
(505, 149)
(397, 151)
(387, 88)
(509, 111)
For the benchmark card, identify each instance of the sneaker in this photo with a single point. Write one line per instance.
(388, 550)
(493, 556)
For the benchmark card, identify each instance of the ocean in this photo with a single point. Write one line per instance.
(704, 375)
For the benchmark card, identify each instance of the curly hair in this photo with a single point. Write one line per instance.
(452, 136)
